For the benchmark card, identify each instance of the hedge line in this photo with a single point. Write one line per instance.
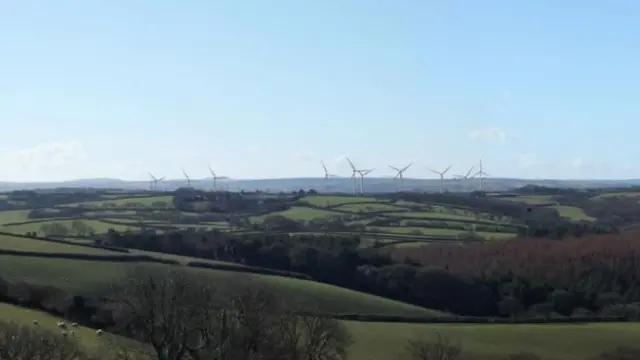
(474, 320)
(248, 269)
(109, 248)
(92, 257)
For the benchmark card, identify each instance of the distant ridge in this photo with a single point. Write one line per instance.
(373, 184)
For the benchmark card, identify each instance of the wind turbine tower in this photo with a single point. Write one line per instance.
(327, 176)
(153, 184)
(186, 176)
(353, 176)
(399, 174)
(215, 177)
(481, 174)
(441, 177)
(363, 173)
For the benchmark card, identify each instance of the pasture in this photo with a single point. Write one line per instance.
(26, 244)
(381, 341)
(572, 213)
(325, 201)
(531, 199)
(98, 226)
(89, 277)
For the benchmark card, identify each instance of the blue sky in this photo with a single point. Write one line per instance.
(258, 89)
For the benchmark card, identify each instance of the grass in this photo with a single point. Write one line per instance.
(405, 230)
(432, 215)
(86, 336)
(22, 244)
(631, 194)
(98, 226)
(324, 201)
(572, 213)
(550, 341)
(146, 201)
(86, 277)
(531, 199)
(368, 207)
(12, 216)
(299, 213)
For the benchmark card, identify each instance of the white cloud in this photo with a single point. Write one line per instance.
(49, 160)
(488, 134)
(528, 160)
(577, 163)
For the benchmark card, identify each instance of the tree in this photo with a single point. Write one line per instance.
(79, 227)
(182, 316)
(19, 342)
(442, 348)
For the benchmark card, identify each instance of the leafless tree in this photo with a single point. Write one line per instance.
(442, 348)
(21, 342)
(182, 316)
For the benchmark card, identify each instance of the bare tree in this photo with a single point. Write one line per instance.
(442, 348)
(182, 316)
(20, 342)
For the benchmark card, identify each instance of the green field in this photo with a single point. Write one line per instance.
(146, 201)
(321, 200)
(7, 217)
(98, 226)
(23, 244)
(432, 215)
(384, 341)
(85, 277)
(299, 213)
(406, 230)
(531, 199)
(368, 207)
(572, 213)
(630, 194)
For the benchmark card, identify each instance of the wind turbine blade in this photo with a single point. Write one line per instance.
(324, 167)
(406, 167)
(394, 168)
(153, 177)
(469, 172)
(160, 179)
(447, 169)
(433, 171)
(366, 172)
(351, 164)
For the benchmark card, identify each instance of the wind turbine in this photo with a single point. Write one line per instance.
(399, 174)
(187, 176)
(362, 175)
(326, 176)
(441, 177)
(481, 173)
(215, 177)
(154, 181)
(353, 176)
(466, 176)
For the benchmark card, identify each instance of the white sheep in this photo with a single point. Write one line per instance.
(61, 324)
(74, 324)
(99, 332)
(64, 333)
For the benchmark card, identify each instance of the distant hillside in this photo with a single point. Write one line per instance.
(372, 185)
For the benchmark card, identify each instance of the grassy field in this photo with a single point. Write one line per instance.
(22, 244)
(12, 216)
(405, 230)
(432, 215)
(572, 213)
(98, 226)
(146, 201)
(299, 213)
(631, 194)
(531, 199)
(384, 341)
(85, 276)
(369, 207)
(321, 200)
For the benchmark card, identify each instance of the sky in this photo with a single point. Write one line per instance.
(268, 89)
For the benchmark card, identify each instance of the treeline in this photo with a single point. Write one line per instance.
(589, 275)
(474, 292)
